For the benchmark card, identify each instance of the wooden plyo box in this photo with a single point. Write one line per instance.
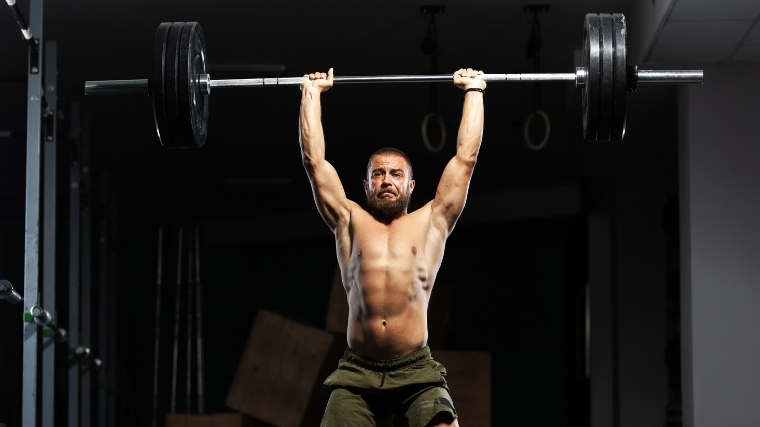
(281, 368)
(208, 420)
(468, 374)
(337, 307)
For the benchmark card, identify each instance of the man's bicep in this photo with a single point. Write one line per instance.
(329, 195)
(451, 194)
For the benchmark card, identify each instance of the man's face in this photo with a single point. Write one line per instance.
(388, 186)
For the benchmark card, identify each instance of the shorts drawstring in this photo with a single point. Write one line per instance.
(385, 371)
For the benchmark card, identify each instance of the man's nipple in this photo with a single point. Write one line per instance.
(359, 254)
(414, 250)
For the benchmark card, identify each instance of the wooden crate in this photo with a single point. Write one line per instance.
(337, 307)
(209, 420)
(469, 378)
(281, 368)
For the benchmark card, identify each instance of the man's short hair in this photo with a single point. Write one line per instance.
(391, 151)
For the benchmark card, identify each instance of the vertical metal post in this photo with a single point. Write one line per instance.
(177, 296)
(112, 324)
(31, 240)
(48, 235)
(104, 326)
(158, 325)
(189, 367)
(86, 272)
(74, 262)
(199, 322)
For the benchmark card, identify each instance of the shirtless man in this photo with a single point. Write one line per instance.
(389, 259)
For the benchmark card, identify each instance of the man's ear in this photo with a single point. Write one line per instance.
(366, 186)
(411, 185)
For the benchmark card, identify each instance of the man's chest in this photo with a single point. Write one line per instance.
(401, 239)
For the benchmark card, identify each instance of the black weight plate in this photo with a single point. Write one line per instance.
(157, 80)
(606, 92)
(193, 104)
(171, 86)
(590, 61)
(619, 69)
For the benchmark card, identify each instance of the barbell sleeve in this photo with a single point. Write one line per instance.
(669, 77)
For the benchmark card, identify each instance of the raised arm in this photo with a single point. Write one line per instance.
(451, 194)
(328, 191)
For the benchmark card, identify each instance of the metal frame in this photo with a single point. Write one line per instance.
(104, 292)
(31, 244)
(74, 262)
(112, 322)
(85, 386)
(48, 234)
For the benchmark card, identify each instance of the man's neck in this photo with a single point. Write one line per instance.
(387, 219)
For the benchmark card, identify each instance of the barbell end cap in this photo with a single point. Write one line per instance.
(580, 77)
(97, 363)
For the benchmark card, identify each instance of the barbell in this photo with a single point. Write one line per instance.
(180, 84)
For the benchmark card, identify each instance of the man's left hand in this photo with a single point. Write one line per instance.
(464, 78)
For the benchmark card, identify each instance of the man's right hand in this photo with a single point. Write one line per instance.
(319, 81)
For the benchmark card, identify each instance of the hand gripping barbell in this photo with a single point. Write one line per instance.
(180, 84)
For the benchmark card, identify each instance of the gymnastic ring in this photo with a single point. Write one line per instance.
(526, 128)
(441, 125)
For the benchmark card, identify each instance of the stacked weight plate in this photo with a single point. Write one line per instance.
(180, 109)
(604, 94)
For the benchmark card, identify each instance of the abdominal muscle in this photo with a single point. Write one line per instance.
(387, 316)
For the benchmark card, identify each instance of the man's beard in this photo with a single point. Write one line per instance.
(386, 209)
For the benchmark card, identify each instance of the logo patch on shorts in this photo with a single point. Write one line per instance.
(445, 402)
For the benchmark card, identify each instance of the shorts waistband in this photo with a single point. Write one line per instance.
(378, 365)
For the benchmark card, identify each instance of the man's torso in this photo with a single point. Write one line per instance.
(388, 271)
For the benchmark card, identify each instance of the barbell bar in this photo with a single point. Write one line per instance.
(141, 86)
(180, 85)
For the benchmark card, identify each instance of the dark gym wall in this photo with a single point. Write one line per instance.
(720, 238)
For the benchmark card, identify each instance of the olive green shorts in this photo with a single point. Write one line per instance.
(363, 391)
